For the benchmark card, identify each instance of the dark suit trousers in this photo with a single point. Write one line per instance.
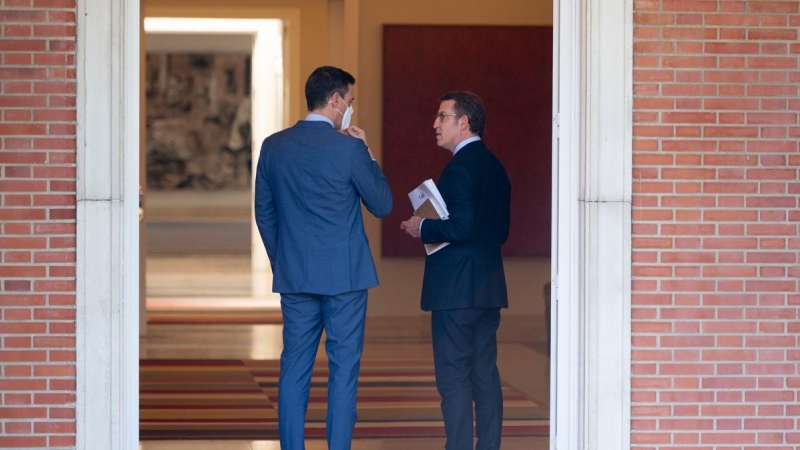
(465, 358)
(342, 317)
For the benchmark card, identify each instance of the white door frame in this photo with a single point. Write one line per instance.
(591, 205)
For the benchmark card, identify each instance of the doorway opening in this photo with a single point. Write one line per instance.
(204, 118)
(523, 350)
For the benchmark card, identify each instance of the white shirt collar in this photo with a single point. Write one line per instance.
(314, 117)
(466, 141)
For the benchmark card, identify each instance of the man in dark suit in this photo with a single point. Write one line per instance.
(464, 284)
(310, 182)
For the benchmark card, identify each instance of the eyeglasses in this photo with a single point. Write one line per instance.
(442, 115)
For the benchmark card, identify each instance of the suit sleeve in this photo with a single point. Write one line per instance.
(457, 189)
(265, 209)
(370, 182)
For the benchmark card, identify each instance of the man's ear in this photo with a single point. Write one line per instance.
(465, 124)
(332, 98)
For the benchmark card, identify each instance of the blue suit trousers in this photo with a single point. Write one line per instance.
(305, 316)
(465, 359)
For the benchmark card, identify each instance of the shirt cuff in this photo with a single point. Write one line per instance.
(420, 226)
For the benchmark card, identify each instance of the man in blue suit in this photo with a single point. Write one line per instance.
(310, 183)
(464, 284)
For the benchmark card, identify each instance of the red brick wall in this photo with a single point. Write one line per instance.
(715, 231)
(37, 223)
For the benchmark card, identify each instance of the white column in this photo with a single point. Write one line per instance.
(107, 277)
(606, 212)
(592, 227)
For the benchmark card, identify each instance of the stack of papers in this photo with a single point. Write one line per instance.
(428, 203)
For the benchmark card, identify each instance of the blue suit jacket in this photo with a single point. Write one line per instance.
(468, 273)
(310, 182)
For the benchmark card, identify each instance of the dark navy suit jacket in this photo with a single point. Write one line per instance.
(468, 273)
(310, 182)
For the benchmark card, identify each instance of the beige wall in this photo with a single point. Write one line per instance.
(401, 278)
(313, 30)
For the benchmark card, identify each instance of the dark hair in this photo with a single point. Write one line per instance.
(470, 105)
(323, 82)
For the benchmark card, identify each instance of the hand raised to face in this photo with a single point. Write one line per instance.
(358, 133)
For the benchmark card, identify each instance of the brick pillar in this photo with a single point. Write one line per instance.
(37, 223)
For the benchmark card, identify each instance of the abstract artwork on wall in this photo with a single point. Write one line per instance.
(198, 121)
(510, 67)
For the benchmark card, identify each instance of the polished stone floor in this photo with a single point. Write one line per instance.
(201, 275)
(198, 244)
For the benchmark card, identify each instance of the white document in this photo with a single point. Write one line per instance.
(428, 203)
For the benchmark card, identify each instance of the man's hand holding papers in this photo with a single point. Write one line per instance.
(428, 204)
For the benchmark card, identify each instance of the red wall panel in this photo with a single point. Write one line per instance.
(510, 67)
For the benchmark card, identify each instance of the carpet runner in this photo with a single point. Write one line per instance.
(237, 399)
(214, 316)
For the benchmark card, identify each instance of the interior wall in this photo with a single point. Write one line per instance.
(313, 31)
(336, 18)
(401, 278)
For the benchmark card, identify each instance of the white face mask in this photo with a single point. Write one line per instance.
(346, 116)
